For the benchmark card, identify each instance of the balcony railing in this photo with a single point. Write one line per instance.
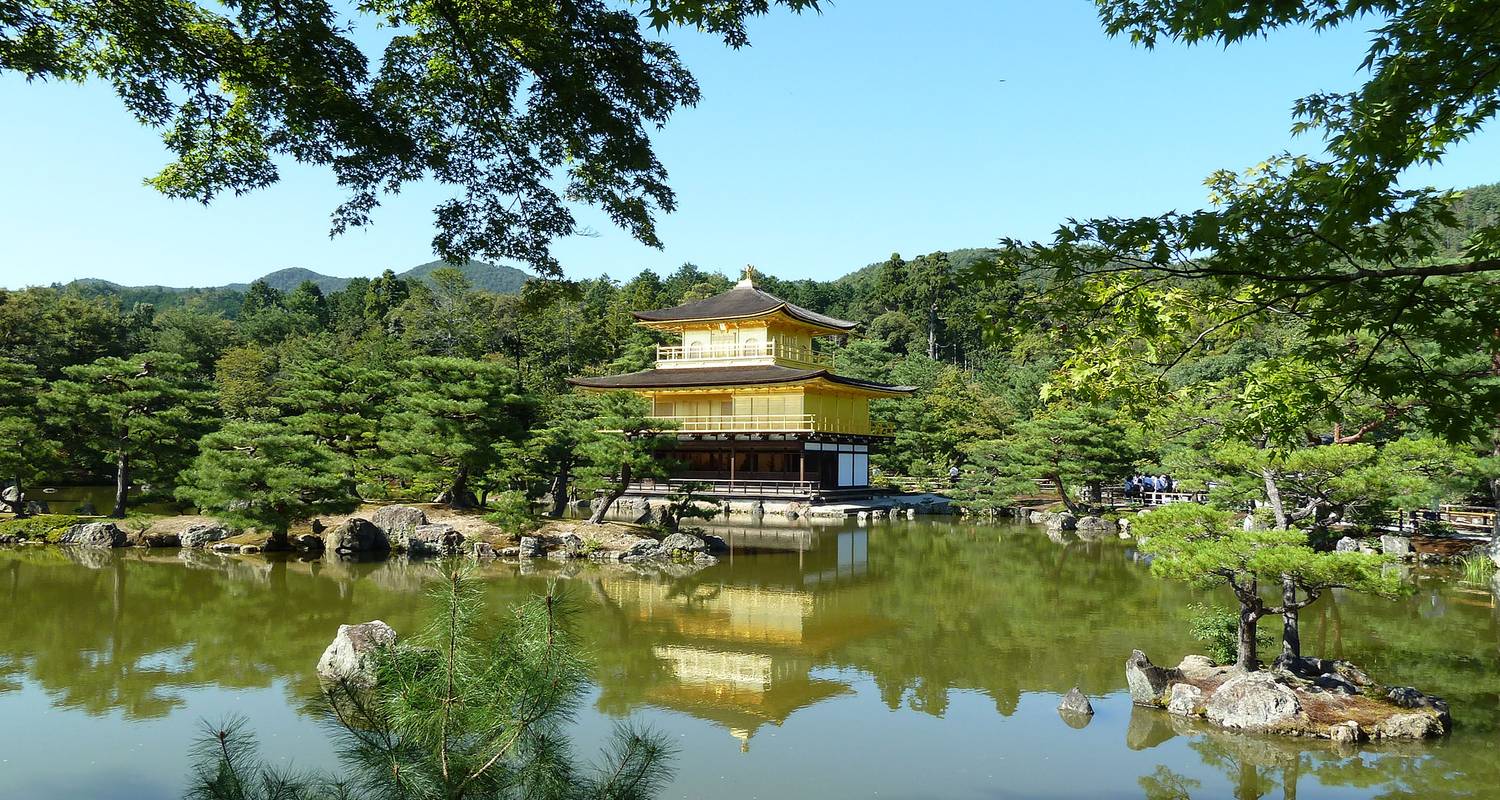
(733, 423)
(772, 423)
(676, 355)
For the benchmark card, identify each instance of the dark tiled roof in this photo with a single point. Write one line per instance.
(744, 300)
(726, 376)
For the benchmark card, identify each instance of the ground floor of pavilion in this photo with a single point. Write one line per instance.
(811, 465)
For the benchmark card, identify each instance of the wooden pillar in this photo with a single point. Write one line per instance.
(802, 465)
(731, 464)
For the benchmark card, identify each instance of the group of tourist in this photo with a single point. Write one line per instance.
(1138, 485)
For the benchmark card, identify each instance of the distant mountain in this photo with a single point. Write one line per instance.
(482, 275)
(290, 278)
(489, 277)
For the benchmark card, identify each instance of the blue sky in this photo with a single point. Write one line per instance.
(831, 142)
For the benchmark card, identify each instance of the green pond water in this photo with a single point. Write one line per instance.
(907, 659)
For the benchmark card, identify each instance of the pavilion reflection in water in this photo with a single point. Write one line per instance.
(740, 651)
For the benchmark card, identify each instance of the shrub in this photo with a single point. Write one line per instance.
(1218, 628)
(512, 513)
(42, 527)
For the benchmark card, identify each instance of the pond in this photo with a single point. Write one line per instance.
(910, 659)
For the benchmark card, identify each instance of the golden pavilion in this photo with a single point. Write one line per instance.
(758, 410)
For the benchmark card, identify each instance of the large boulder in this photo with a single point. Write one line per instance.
(356, 535)
(1398, 546)
(350, 658)
(1255, 701)
(1147, 681)
(531, 547)
(93, 534)
(437, 539)
(1348, 544)
(202, 534)
(398, 522)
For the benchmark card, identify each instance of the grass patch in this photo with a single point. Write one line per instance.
(40, 528)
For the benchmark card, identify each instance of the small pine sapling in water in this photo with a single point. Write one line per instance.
(469, 707)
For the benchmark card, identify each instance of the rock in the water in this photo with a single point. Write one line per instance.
(1347, 732)
(203, 534)
(439, 539)
(1407, 697)
(1076, 702)
(35, 507)
(1186, 700)
(1090, 527)
(356, 535)
(683, 542)
(715, 544)
(93, 534)
(307, 543)
(1062, 521)
(1351, 673)
(484, 551)
(1348, 544)
(1398, 546)
(156, 539)
(530, 547)
(1414, 725)
(1254, 701)
(1147, 681)
(566, 547)
(398, 522)
(351, 656)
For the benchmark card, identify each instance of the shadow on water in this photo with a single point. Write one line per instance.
(797, 628)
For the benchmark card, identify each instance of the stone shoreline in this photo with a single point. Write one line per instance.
(407, 530)
(1315, 698)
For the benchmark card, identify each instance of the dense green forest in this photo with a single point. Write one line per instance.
(392, 386)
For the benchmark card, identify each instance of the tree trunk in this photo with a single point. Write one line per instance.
(614, 494)
(1273, 497)
(458, 494)
(1063, 491)
(122, 484)
(1245, 655)
(560, 483)
(1291, 638)
(932, 320)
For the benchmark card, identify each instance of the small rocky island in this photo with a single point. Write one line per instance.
(1308, 697)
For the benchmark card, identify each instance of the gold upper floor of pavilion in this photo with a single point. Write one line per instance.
(746, 363)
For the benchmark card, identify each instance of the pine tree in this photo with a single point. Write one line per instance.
(1086, 445)
(1205, 547)
(627, 451)
(338, 401)
(465, 709)
(261, 475)
(21, 438)
(143, 413)
(451, 421)
(557, 450)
